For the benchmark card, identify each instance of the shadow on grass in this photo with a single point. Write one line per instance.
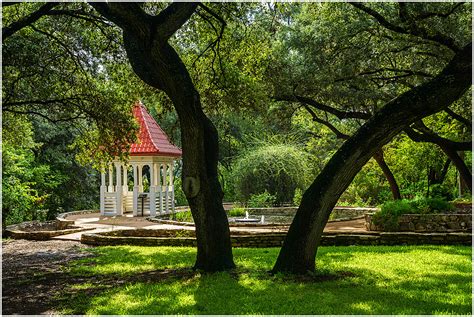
(387, 280)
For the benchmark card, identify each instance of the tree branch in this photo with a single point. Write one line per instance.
(426, 15)
(414, 30)
(7, 4)
(39, 114)
(131, 16)
(311, 102)
(424, 134)
(28, 20)
(331, 127)
(407, 72)
(459, 118)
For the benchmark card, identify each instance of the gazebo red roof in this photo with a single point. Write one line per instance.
(152, 140)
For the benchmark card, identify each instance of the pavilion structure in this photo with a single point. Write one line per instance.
(150, 167)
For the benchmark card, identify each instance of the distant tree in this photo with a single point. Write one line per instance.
(277, 168)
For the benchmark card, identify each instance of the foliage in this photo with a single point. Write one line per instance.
(390, 211)
(297, 197)
(237, 212)
(378, 280)
(26, 183)
(179, 195)
(368, 188)
(184, 216)
(262, 200)
(466, 200)
(278, 169)
(442, 191)
(67, 69)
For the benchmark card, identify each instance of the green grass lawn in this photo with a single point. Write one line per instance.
(384, 280)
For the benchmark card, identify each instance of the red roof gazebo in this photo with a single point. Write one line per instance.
(154, 153)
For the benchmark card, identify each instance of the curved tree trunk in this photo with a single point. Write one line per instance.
(304, 235)
(378, 156)
(158, 64)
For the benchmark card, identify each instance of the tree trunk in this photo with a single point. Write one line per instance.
(304, 235)
(378, 156)
(158, 64)
(464, 172)
(435, 177)
(449, 147)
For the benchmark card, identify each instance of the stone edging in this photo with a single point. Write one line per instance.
(64, 215)
(231, 224)
(265, 240)
(41, 234)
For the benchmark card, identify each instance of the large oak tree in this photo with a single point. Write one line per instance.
(300, 247)
(146, 39)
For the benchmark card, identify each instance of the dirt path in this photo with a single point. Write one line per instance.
(36, 280)
(32, 273)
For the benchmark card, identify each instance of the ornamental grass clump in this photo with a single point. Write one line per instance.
(390, 211)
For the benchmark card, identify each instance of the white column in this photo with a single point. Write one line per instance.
(158, 179)
(135, 189)
(152, 190)
(118, 190)
(103, 189)
(140, 178)
(172, 184)
(156, 174)
(111, 181)
(125, 179)
(165, 184)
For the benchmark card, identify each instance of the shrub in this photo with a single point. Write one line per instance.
(237, 212)
(388, 215)
(278, 169)
(441, 191)
(297, 197)
(179, 196)
(184, 216)
(264, 199)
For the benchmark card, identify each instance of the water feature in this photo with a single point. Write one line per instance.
(248, 219)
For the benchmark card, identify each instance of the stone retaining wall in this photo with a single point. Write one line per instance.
(63, 223)
(259, 240)
(427, 223)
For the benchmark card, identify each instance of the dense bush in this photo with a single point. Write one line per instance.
(388, 215)
(277, 169)
(237, 212)
(184, 216)
(262, 200)
(442, 191)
